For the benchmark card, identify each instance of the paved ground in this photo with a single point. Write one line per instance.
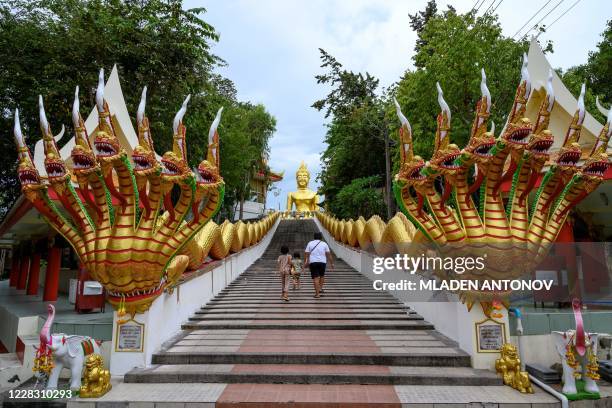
(15, 304)
(353, 347)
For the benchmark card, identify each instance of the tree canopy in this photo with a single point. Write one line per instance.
(596, 73)
(454, 49)
(361, 197)
(354, 138)
(50, 46)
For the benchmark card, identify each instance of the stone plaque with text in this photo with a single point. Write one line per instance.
(490, 336)
(130, 336)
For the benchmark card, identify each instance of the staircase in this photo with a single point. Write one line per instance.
(353, 346)
(351, 335)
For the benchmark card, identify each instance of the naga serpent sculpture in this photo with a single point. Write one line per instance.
(123, 223)
(469, 217)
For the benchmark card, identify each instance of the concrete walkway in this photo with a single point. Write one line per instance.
(352, 347)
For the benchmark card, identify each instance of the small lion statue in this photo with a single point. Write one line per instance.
(509, 365)
(96, 380)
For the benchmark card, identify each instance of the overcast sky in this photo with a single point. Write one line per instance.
(271, 47)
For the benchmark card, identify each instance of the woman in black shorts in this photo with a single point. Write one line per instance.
(317, 255)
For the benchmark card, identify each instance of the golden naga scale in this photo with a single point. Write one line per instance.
(123, 224)
(469, 216)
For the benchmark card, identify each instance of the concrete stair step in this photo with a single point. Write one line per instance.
(302, 290)
(203, 316)
(312, 374)
(432, 357)
(305, 295)
(304, 284)
(309, 324)
(320, 301)
(298, 310)
(306, 308)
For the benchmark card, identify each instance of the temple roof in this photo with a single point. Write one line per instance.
(565, 103)
(273, 176)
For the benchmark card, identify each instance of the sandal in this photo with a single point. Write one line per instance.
(286, 299)
(316, 296)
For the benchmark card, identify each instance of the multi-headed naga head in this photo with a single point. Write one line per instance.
(570, 152)
(542, 138)
(410, 167)
(174, 163)
(26, 171)
(143, 155)
(112, 248)
(519, 127)
(209, 175)
(443, 159)
(481, 141)
(83, 158)
(595, 166)
(54, 165)
(106, 143)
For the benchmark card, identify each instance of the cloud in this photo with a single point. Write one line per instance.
(272, 52)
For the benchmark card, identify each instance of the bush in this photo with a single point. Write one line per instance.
(362, 197)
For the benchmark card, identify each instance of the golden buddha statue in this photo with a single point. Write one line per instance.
(305, 200)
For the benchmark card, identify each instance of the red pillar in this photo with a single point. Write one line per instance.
(15, 269)
(52, 275)
(25, 268)
(34, 274)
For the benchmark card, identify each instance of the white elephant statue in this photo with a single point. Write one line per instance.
(68, 351)
(578, 351)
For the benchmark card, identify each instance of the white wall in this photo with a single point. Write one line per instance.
(444, 310)
(537, 349)
(250, 209)
(163, 320)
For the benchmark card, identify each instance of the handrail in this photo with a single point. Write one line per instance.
(551, 391)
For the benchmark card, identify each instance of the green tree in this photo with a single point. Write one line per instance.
(354, 137)
(361, 197)
(596, 72)
(419, 20)
(245, 135)
(454, 49)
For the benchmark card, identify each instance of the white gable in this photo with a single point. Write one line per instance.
(121, 118)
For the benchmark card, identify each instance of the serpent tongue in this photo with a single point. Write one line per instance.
(580, 339)
(560, 186)
(144, 199)
(194, 209)
(445, 195)
(169, 206)
(65, 200)
(475, 186)
(110, 184)
(572, 204)
(506, 176)
(530, 185)
(87, 195)
(420, 204)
